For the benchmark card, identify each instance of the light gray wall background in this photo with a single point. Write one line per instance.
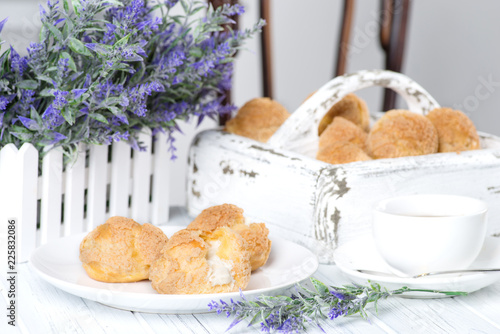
(453, 51)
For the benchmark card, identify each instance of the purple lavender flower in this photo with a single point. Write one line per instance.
(109, 36)
(29, 123)
(62, 68)
(25, 103)
(60, 99)
(56, 137)
(3, 102)
(18, 64)
(233, 10)
(52, 117)
(78, 92)
(138, 96)
(2, 24)
(340, 310)
(171, 3)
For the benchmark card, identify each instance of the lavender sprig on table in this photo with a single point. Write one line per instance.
(292, 314)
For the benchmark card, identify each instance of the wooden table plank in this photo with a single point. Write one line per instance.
(46, 309)
(485, 304)
(443, 315)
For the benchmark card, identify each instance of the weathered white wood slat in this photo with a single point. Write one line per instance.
(9, 194)
(161, 176)
(120, 180)
(96, 193)
(485, 304)
(141, 176)
(175, 323)
(50, 220)
(74, 194)
(46, 309)
(27, 159)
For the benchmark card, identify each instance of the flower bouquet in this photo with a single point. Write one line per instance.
(103, 71)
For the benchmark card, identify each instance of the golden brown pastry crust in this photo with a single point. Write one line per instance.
(342, 129)
(258, 243)
(217, 216)
(255, 234)
(455, 130)
(258, 119)
(342, 152)
(351, 108)
(401, 133)
(183, 267)
(121, 250)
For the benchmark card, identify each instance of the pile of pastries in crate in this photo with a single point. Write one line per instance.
(345, 134)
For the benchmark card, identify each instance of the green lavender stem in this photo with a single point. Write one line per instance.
(285, 314)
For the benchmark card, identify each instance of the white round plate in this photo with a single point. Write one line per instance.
(362, 254)
(57, 262)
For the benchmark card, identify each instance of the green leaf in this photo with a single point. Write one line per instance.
(46, 92)
(122, 41)
(116, 111)
(66, 5)
(185, 6)
(115, 2)
(320, 287)
(24, 136)
(69, 115)
(76, 7)
(54, 31)
(45, 78)
(196, 52)
(27, 84)
(36, 116)
(71, 62)
(99, 117)
(78, 47)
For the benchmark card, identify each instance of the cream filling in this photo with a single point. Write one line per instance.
(219, 270)
(248, 221)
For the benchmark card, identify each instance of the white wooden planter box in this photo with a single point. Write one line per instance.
(81, 196)
(321, 205)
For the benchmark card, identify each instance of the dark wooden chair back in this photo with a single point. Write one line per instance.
(393, 26)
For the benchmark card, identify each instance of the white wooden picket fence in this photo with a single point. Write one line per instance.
(64, 201)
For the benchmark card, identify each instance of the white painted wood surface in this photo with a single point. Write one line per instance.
(96, 195)
(120, 179)
(141, 184)
(160, 184)
(50, 221)
(74, 195)
(45, 309)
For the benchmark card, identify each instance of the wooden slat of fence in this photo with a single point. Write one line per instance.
(27, 158)
(50, 220)
(74, 194)
(141, 175)
(9, 195)
(120, 180)
(161, 175)
(96, 193)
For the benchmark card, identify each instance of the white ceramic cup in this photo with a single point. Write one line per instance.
(424, 233)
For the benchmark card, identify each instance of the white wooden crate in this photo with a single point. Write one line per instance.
(83, 195)
(321, 205)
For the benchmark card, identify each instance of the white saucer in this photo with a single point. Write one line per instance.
(362, 254)
(57, 262)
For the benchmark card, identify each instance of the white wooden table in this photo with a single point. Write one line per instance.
(43, 308)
